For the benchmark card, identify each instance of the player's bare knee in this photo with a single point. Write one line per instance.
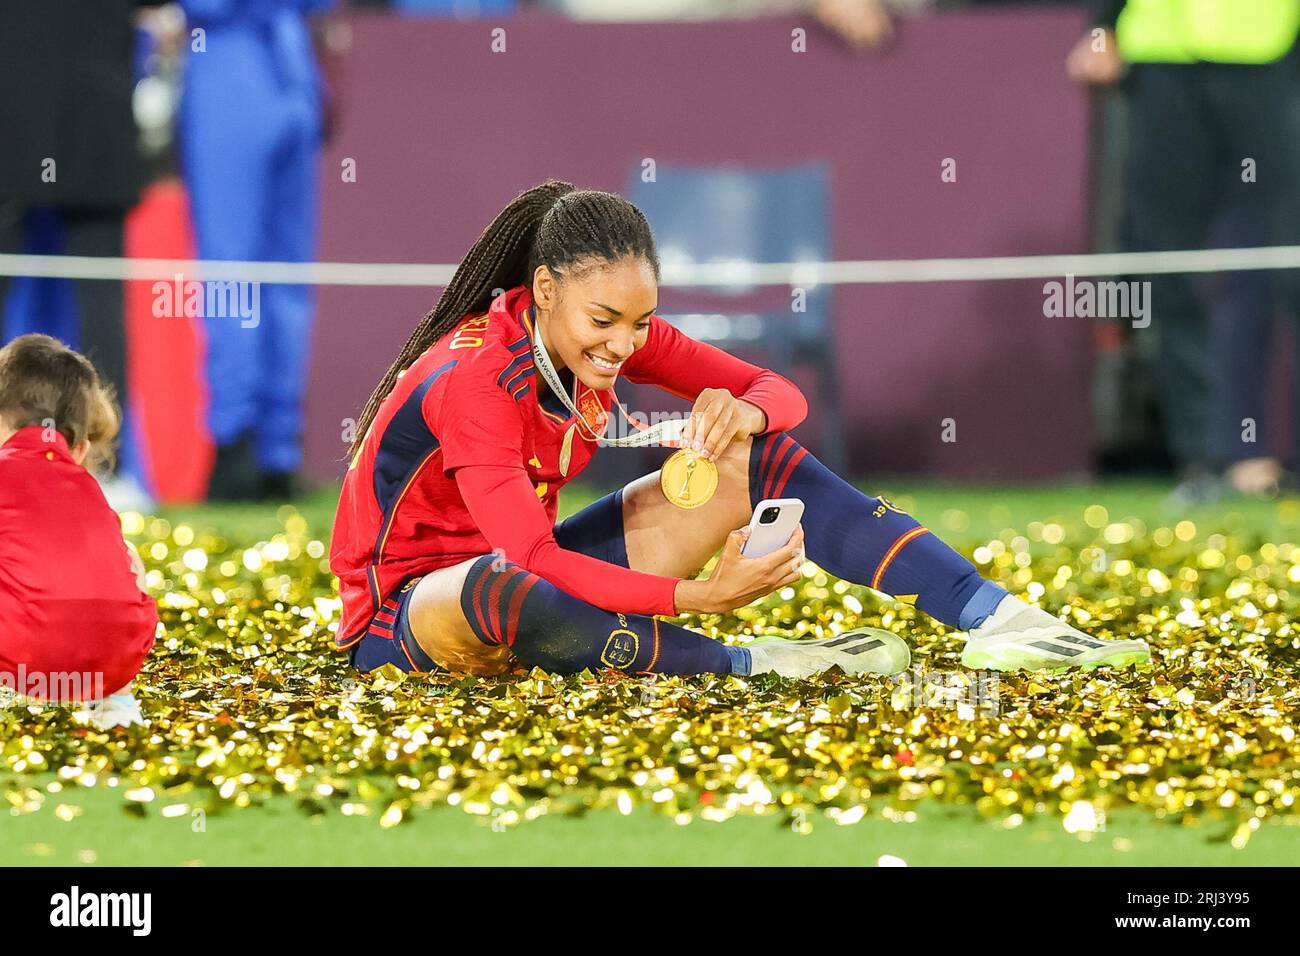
(733, 463)
(439, 625)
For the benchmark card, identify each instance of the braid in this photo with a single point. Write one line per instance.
(555, 225)
(496, 260)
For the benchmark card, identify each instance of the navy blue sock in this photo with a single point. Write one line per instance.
(983, 603)
(867, 540)
(553, 630)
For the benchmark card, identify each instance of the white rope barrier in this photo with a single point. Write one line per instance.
(724, 274)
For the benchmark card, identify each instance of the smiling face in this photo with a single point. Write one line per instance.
(594, 318)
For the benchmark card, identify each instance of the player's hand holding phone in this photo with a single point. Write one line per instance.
(752, 564)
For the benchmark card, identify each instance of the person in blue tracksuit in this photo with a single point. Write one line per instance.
(250, 130)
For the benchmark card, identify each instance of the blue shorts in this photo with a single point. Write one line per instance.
(389, 639)
(596, 530)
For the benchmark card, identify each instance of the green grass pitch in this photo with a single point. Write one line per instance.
(95, 827)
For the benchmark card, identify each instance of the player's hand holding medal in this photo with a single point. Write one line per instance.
(689, 477)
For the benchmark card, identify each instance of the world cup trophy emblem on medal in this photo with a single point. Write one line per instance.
(687, 479)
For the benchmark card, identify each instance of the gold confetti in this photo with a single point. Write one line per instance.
(247, 701)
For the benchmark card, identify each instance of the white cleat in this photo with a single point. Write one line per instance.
(866, 650)
(1020, 637)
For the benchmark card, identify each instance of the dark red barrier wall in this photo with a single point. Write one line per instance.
(444, 132)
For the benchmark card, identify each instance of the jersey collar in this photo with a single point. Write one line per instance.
(518, 304)
(35, 437)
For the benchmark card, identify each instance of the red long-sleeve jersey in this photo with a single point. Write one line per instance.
(462, 460)
(71, 612)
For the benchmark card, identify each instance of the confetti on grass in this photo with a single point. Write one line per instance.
(247, 700)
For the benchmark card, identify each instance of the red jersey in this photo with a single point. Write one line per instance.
(69, 600)
(462, 459)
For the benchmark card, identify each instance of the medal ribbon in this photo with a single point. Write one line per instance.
(668, 432)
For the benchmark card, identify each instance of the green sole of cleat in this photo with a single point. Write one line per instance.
(1120, 660)
(1011, 661)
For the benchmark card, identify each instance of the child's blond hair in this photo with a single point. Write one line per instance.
(44, 383)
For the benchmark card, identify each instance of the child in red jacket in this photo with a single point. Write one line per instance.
(75, 622)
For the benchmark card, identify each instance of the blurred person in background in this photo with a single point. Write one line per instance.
(452, 8)
(1209, 88)
(71, 165)
(862, 24)
(1243, 307)
(250, 133)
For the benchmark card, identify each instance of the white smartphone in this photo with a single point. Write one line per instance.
(772, 525)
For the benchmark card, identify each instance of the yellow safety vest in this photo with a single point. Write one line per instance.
(1220, 31)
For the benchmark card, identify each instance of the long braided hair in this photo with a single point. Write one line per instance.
(555, 225)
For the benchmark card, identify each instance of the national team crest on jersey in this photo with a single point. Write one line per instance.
(593, 413)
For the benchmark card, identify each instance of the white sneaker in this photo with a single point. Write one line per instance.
(866, 650)
(1018, 636)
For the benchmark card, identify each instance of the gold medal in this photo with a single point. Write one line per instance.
(688, 480)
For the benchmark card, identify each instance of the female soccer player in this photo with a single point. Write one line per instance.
(75, 620)
(445, 542)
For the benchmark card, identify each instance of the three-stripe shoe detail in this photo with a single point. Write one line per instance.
(1081, 642)
(864, 650)
(857, 648)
